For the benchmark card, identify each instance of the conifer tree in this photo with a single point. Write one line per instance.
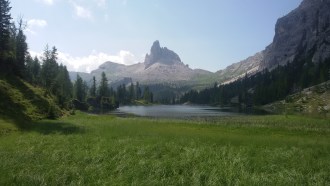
(5, 18)
(6, 59)
(92, 91)
(103, 88)
(79, 89)
(21, 49)
(131, 92)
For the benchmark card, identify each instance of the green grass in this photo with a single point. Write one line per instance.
(106, 150)
(20, 102)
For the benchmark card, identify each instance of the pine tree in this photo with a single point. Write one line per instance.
(103, 88)
(137, 91)
(92, 91)
(63, 85)
(79, 89)
(131, 92)
(5, 18)
(28, 72)
(147, 95)
(21, 50)
(49, 68)
(6, 59)
(35, 70)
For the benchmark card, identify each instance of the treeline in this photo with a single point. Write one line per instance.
(100, 97)
(13, 46)
(264, 87)
(48, 73)
(16, 61)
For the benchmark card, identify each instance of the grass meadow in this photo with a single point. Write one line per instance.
(107, 150)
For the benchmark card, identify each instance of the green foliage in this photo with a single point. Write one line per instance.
(147, 95)
(92, 90)
(79, 89)
(63, 91)
(264, 87)
(248, 150)
(21, 50)
(5, 18)
(49, 68)
(98, 102)
(313, 101)
(21, 103)
(103, 88)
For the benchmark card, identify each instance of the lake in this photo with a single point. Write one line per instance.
(176, 111)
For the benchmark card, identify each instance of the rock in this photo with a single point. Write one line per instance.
(161, 55)
(238, 70)
(303, 33)
(162, 65)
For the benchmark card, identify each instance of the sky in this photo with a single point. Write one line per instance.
(206, 34)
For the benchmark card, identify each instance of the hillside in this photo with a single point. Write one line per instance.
(21, 103)
(313, 101)
(303, 33)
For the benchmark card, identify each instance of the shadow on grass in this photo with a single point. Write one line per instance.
(47, 127)
(16, 111)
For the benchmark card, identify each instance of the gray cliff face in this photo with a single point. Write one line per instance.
(304, 32)
(161, 55)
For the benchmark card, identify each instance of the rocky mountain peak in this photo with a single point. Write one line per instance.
(303, 33)
(161, 55)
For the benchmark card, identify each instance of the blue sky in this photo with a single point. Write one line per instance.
(207, 34)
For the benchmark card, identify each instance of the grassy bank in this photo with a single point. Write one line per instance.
(88, 149)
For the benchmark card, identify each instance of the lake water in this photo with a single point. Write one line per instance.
(175, 111)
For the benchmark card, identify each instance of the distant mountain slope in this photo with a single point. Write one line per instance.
(302, 33)
(238, 70)
(161, 65)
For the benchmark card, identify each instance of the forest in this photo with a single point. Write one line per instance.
(266, 86)
(48, 73)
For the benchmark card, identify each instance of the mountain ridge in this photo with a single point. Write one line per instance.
(161, 65)
(303, 32)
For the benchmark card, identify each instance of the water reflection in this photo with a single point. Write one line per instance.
(176, 111)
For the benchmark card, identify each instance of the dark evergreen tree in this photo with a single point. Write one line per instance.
(92, 91)
(36, 70)
(122, 95)
(6, 57)
(64, 87)
(5, 18)
(21, 50)
(79, 89)
(103, 88)
(138, 91)
(131, 91)
(147, 95)
(49, 68)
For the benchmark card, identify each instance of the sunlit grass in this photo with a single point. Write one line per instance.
(99, 150)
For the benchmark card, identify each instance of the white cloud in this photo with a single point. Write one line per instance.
(34, 24)
(48, 2)
(92, 61)
(37, 22)
(82, 12)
